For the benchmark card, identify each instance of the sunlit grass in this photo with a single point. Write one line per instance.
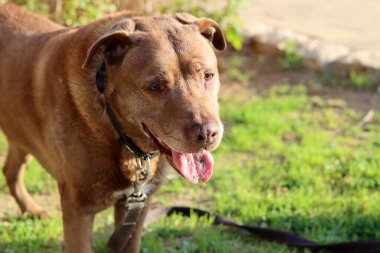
(285, 162)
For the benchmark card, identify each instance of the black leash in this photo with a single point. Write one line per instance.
(268, 234)
(124, 231)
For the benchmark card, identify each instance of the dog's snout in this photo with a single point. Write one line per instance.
(205, 134)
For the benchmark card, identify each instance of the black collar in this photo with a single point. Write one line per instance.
(123, 139)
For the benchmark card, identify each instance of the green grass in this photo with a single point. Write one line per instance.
(285, 162)
(235, 70)
(3, 145)
(362, 81)
(291, 59)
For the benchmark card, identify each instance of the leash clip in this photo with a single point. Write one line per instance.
(142, 174)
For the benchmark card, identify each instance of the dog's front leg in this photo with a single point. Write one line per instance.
(77, 225)
(133, 245)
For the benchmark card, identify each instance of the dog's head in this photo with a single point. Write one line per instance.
(163, 83)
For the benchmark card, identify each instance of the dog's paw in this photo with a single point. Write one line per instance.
(37, 214)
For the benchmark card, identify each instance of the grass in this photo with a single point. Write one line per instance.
(3, 144)
(285, 162)
(235, 70)
(362, 81)
(292, 59)
(352, 79)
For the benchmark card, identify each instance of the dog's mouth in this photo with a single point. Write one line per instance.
(194, 167)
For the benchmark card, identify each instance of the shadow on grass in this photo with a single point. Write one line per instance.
(326, 229)
(184, 235)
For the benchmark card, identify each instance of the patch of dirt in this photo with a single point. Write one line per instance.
(266, 72)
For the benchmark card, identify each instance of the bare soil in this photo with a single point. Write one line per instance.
(268, 72)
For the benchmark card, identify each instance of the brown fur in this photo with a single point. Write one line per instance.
(50, 106)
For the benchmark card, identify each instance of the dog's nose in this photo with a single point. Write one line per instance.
(205, 134)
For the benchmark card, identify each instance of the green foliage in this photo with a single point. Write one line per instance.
(3, 145)
(231, 23)
(359, 80)
(184, 235)
(362, 81)
(235, 70)
(300, 172)
(38, 180)
(70, 12)
(39, 6)
(29, 236)
(292, 59)
(78, 12)
(226, 14)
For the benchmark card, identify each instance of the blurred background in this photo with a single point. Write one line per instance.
(300, 101)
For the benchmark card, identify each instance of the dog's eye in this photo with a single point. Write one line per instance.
(155, 87)
(208, 76)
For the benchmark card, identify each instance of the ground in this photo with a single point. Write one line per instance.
(337, 21)
(298, 155)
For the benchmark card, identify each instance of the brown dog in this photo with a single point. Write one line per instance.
(161, 81)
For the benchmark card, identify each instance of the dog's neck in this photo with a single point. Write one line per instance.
(124, 140)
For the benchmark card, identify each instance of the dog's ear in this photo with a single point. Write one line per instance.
(211, 30)
(207, 27)
(111, 47)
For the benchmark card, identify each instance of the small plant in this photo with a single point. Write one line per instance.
(230, 21)
(235, 71)
(362, 81)
(332, 78)
(292, 59)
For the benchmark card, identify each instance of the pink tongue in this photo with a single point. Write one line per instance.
(193, 166)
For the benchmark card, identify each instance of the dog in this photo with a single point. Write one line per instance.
(68, 94)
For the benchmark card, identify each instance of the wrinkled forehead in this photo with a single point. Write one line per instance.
(167, 42)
